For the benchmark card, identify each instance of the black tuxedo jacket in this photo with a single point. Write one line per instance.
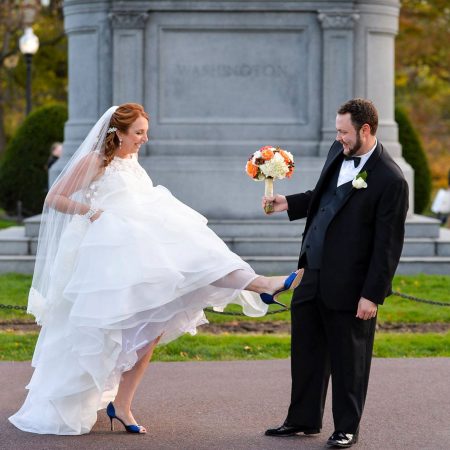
(364, 240)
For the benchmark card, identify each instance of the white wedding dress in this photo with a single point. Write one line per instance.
(148, 266)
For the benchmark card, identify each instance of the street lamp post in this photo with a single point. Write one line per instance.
(29, 45)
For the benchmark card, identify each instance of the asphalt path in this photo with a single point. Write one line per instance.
(228, 405)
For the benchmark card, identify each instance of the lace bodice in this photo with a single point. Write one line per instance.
(119, 174)
(130, 165)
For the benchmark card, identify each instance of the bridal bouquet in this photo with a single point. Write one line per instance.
(267, 164)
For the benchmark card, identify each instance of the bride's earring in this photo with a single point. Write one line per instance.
(120, 143)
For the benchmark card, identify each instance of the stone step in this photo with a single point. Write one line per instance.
(422, 227)
(416, 227)
(423, 247)
(16, 244)
(17, 264)
(436, 265)
(267, 265)
(291, 246)
(31, 225)
(443, 243)
(426, 248)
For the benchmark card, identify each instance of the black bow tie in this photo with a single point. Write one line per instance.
(356, 159)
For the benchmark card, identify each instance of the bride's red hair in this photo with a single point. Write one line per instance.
(121, 119)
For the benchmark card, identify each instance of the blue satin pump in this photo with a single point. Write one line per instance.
(112, 415)
(291, 282)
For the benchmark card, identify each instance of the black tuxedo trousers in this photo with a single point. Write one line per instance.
(327, 342)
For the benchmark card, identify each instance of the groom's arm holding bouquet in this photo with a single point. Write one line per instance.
(296, 205)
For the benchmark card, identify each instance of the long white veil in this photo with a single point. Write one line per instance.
(70, 194)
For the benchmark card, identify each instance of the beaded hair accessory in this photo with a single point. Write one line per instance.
(111, 130)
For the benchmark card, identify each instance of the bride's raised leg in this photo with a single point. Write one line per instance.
(241, 279)
(263, 284)
(130, 382)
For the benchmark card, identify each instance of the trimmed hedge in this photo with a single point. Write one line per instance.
(414, 154)
(23, 175)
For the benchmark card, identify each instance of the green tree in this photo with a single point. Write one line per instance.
(11, 21)
(414, 154)
(23, 175)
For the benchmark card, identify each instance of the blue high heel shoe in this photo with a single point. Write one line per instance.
(112, 415)
(291, 282)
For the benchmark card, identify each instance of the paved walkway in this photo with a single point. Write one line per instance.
(228, 405)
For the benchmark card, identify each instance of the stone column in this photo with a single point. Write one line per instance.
(375, 73)
(128, 56)
(89, 54)
(337, 68)
(375, 64)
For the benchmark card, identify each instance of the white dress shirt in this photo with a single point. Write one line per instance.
(348, 169)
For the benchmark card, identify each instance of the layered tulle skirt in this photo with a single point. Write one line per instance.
(146, 268)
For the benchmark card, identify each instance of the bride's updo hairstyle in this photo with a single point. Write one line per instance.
(121, 119)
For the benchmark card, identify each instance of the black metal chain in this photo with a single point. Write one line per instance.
(230, 313)
(421, 300)
(22, 308)
(280, 310)
(397, 294)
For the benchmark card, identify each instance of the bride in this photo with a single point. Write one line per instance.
(121, 265)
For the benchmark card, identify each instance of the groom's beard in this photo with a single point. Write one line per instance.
(353, 150)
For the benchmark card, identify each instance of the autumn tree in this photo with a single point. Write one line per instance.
(423, 77)
(49, 64)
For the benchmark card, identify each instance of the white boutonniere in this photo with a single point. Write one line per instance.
(359, 182)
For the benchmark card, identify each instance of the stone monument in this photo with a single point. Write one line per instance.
(222, 78)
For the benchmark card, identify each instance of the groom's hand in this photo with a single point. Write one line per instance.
(366, 309)
(279, 203)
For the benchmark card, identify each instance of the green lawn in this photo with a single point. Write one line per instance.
(207, 347)
(432, 287)
(19, 347)
(14, 290)
(5, 223)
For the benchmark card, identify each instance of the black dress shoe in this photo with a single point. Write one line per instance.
(290, 430)
(342, 440)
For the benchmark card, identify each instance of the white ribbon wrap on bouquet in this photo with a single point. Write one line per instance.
(268, 192)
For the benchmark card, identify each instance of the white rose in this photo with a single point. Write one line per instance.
(275, 168)
(290, 155)
(359, 183)
(256, 156)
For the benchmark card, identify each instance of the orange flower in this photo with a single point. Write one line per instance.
(285, 156)
(267, 154)
(251, 169)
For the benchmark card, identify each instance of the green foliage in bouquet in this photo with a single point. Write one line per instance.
(23, 174)
(414, 154)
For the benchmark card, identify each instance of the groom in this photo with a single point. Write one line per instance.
(351, 247)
